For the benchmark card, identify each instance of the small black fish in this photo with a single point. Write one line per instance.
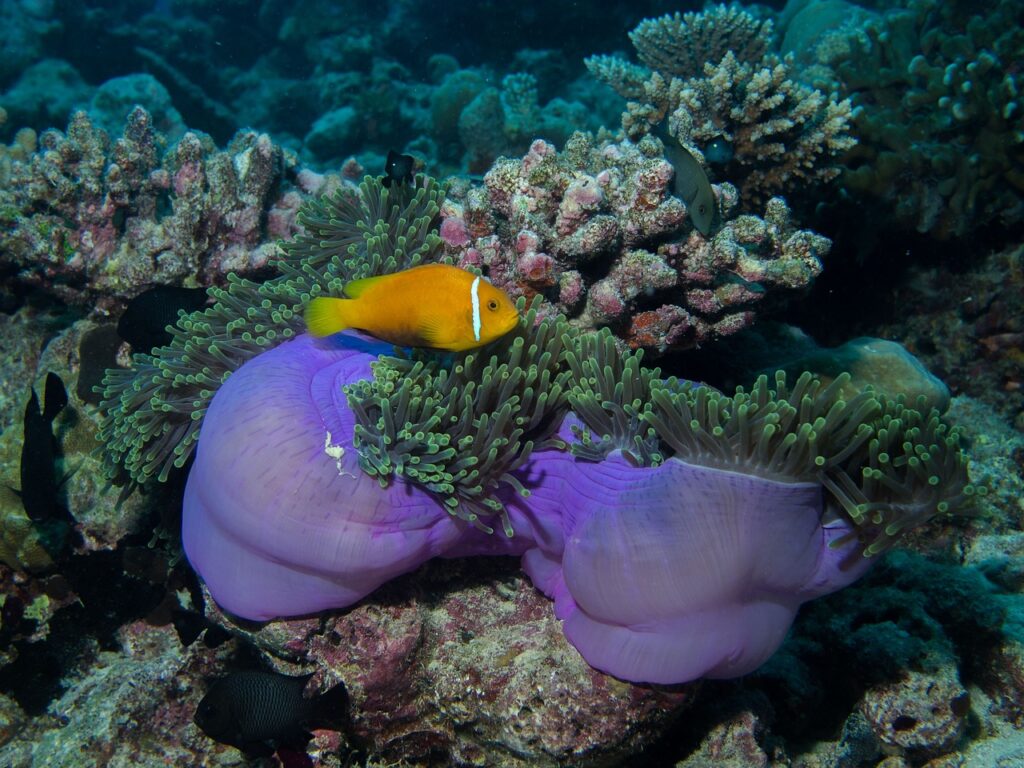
(144, 321)
(190, 625)
(258, 711)
(40, 451)
(399, 169)
(97, 351)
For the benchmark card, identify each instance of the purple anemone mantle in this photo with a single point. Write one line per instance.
(661, 574)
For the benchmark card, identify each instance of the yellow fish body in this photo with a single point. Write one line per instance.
(433, 305)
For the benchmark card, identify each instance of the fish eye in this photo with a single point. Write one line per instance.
(702, 209)
(492, 305)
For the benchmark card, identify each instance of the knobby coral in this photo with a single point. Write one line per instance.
(714, 81)
(95, 221)
(677, 536)
(938, 115)
(595, 233)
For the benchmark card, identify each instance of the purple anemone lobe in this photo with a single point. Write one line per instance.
(279, 519)
(682, 571)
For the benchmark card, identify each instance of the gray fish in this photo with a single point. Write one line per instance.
(691, 184)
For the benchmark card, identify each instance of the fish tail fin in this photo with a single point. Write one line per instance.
(325, 316)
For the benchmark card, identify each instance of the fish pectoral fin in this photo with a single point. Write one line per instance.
(68, 475)
(432, 332)
(355, 288)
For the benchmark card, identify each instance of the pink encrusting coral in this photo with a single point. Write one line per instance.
(596, 233)
(96, 221)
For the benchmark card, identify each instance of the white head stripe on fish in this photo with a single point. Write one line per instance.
(474, 295)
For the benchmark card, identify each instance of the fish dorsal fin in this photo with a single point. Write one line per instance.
(355, 288)
(56, 396)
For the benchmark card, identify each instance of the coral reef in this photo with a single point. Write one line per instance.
(382, 80)
(94, 223)
(911, 626)
(785, 137)
(714, 85)
(595, 232)
(466, 664)
(938, 119)
(967, 328)
(24, 36)
(489, 122)
(681, 44)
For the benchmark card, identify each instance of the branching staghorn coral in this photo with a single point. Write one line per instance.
(680, 45)
(782, 132)
(153, 411)
(716, 84)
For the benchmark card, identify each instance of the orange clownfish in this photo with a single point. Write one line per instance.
(433, 305)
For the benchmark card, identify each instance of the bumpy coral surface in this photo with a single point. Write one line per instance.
(725, 97)
(941, 129)
(94, 221)
(596, 233)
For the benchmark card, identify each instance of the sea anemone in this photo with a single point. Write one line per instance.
(677, 528)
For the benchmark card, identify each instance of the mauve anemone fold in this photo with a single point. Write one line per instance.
(277, 520)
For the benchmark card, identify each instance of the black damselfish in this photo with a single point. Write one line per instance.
(146, 317)
(399, 169)
(39, 452)
(259, 711)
